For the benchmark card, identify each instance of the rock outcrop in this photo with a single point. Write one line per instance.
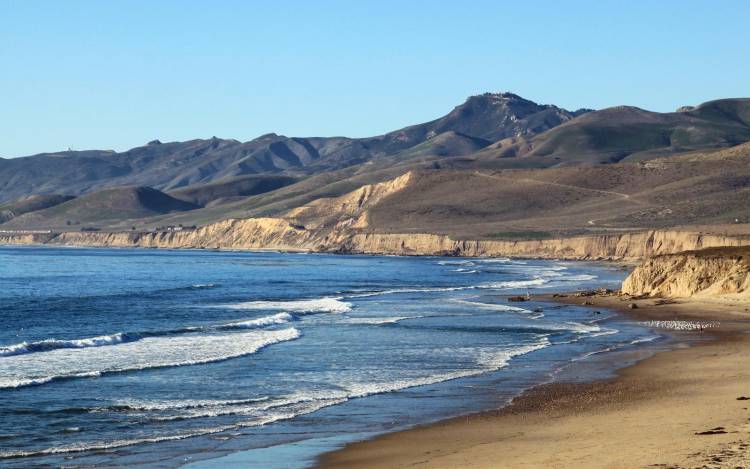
(706, 273)
(349, 211)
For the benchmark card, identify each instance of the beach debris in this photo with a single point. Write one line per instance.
(713, 431)
(559, 295)
(743, 398)
(587, 303)
(633, 306)
(597, 292)
(518, 298)
(626, 296)
(664, 302)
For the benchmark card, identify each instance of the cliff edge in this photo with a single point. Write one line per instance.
(704, 273)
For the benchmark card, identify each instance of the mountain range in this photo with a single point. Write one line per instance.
(479, 165)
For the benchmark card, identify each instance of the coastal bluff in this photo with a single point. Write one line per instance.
(284, 235)
(716, 272)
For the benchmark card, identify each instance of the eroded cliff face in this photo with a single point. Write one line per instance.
(284, 235)
(25, 238)
(709, 273)
(626, 246)
(349, 211)
(252, 233)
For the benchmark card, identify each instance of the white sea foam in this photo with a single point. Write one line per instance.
(145, 405)
(579, 278)
(458, 262)
(592, 330)
(48, 345)
(493, 306)
(397, 291)
(580, 327)
(615, 347)
(505, 285)
(604, 332)
(641, 340)
(487, 361)
(496, 360)
(265, 411)
(303, 408)
(543, 279)
(380, 320)
(274, 319)
(514, 284)
(595, 352)
(152, 352)
(494, 260)
(318, 305)
(286, 403)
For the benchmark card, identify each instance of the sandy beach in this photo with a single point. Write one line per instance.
(686, 407)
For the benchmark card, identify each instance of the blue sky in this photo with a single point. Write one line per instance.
(115, 74)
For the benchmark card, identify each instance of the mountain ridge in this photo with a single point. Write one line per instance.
(172, 165)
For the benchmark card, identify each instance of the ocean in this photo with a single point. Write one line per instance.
(158, 358)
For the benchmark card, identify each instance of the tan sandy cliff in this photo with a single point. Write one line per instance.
(719, 272)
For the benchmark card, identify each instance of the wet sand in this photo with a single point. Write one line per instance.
(685, 407)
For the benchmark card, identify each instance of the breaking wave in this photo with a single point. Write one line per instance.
(152, 352)
(515, 284)
(54, 344)
(274, 319)
(48, 345)
(318, 305)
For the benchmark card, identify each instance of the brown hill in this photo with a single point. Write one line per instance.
(624, 132)
(231, 189)
(28, 204)
(109, 206)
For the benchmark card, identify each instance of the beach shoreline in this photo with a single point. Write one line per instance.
(677, 408)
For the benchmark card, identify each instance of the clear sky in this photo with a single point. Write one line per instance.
(115, 74)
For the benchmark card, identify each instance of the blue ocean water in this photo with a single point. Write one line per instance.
(120, 357)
